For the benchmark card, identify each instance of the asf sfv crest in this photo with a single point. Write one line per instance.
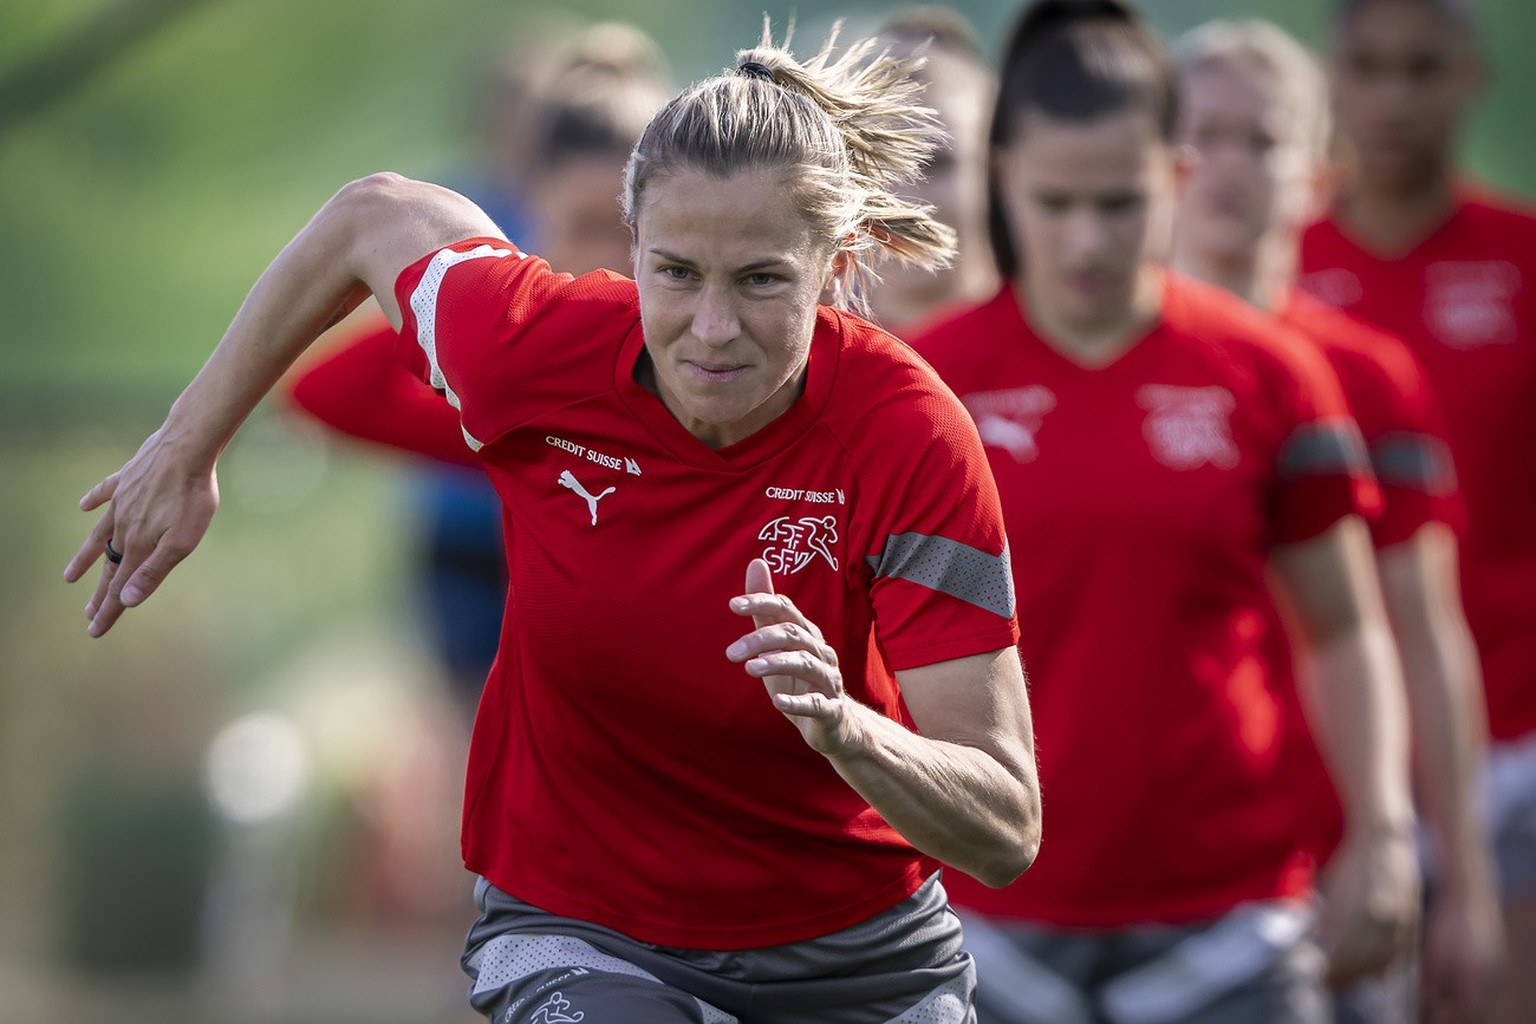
(794, 543)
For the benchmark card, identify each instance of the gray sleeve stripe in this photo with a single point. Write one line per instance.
(1323, 449)
(1414, 462)
(950, 567)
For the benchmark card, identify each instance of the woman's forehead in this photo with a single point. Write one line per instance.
(751, 210)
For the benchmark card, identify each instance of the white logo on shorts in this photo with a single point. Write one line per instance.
(553, 1011)
(569, 481)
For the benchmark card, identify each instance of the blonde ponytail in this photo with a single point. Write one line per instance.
(848, 130)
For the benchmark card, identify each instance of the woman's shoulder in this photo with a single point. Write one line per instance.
(885, 391)
(1205, 316)
(1243, 343)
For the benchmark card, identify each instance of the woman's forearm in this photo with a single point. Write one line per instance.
(1445, 702)
(1358, 718)
(355, 245)
(955, 803)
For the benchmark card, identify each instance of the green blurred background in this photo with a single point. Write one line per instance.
(154, 155)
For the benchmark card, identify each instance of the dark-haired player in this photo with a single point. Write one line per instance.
(1159, 447)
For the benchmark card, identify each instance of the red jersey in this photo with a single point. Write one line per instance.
(1390, 399)
(1142, 500)
(1463, 300)
(622, 770)
(359, 388)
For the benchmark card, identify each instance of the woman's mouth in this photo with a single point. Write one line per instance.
(715, 373)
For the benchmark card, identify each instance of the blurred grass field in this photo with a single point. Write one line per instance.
(137, 204)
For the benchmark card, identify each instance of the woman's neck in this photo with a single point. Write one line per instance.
(1106, 338)
(1261, 278)
(1392, 216)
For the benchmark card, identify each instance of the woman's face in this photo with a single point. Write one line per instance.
(1403, 78)
(1255, 167)
(955, 179)
(1089, 207)
(729, 272)
(576, 209)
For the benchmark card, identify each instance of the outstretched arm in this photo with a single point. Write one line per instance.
(159, 504)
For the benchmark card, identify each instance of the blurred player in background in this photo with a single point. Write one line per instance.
(1414, 248)
(959, 86)
(1158, 447)
(1255, 110)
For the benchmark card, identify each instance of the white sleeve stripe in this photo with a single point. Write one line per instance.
(424, 305)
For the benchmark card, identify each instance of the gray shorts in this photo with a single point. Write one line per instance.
(1255, 965)
(1510, 792)
(902, 966)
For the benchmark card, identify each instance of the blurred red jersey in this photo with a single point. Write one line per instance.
(1391, 400)
(1464, 300)
(1143, 499)
(359, 388)
(622, 770)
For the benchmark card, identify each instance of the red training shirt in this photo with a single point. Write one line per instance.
(1143, 499)
(1462, 300)
(622, 770)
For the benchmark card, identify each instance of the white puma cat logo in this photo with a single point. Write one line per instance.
(568, 480)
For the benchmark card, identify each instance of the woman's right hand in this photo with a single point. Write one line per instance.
(159, 505)
(157, 508)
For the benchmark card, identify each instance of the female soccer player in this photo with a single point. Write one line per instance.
(659, 838)
(1413, 248)
(1255, 110)
(1158, 447)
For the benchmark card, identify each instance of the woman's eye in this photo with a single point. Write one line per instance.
(761, 280)
(675, 273)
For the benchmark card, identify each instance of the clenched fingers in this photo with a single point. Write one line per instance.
(782, 636)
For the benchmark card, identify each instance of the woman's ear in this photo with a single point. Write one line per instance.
(1186, 159)
(1322, 189)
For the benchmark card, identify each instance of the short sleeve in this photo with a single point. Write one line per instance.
(940, 579)
(1400, 421)
(1322, 470)
(1410, 457)
(486, 325)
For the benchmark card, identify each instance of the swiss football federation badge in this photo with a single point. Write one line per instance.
(794, 543)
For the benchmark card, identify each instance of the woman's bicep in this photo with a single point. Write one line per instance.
(391, 222)
(1329, 580)
(977, 701)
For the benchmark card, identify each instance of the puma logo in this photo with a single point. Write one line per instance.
(568, 480)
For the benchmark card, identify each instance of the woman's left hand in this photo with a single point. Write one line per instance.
(797, 666)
